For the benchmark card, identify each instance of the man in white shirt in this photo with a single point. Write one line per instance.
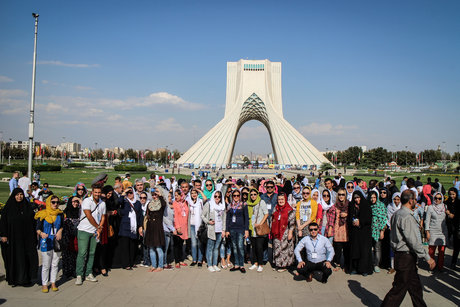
(36, 191)
(92, 219)
(319, 253)
(24, 183)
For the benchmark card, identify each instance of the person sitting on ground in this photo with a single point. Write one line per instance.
(319, 253)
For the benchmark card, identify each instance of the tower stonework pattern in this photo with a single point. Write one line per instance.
(253, 93)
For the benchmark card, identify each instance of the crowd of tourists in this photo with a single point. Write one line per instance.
(325, 225)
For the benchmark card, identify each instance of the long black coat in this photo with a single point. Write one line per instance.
(361, 237)
(17, 223)
(154, 232)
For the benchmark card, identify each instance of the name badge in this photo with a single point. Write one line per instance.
(279, 217)
(305, 218)
(234, 219)
(183, 214)
(269, 206)
(314, 255)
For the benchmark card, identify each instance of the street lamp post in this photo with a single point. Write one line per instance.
(32, 100)
(9, 153)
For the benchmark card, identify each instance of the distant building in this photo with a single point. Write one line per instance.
(70, 147)
(22, 144)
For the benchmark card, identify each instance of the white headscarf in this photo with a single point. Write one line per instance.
(349, 195)
(216, 206)
(325, 205)
(438, 208)
(392, 208)
(132, 214)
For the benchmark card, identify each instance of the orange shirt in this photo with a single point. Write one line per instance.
(181, 218)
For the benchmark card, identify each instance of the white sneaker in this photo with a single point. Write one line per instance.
(79, 281)
(211, 269)
(216, 268)
(253, 267)
(91, 277)
(260, 268)
(143, 265)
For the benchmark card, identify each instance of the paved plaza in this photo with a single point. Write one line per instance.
(198, 287)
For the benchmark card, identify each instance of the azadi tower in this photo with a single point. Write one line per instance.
(253, 93)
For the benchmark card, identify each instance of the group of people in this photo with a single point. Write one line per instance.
(158, 223)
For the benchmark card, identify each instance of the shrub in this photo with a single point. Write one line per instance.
(130, 167)
(40, 168)
(76, 165)
(15, 167)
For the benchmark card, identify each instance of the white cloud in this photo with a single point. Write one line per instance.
(169, 124)
(14, 111)
(326, 129)
(83, 88)
(12, 93)
(54, 108)
(114, 117)
(252, 133)
(5, 79)
(164, 98)
(59, 63)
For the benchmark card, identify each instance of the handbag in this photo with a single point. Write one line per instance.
(57, 244)
(262, 229)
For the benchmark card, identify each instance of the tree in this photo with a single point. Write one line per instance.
(131, 154)
(98, 154)
(149, 156)
(326, 166)
(352, 155)
(430, 156)
(246, 161)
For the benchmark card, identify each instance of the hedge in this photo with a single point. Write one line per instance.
(129, 167)
(40, 168)
(76, 165)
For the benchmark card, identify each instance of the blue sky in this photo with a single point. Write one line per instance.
(153, 73)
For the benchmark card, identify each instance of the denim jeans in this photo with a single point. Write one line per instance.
(196, 245)
(212, 251)
(238, 247)
(225, 248)
(146, 257)
(377, 252)
(168, 241)
(153, 256)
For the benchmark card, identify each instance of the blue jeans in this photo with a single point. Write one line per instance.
(153, 256)
(212, 251)
(146, 258)
(226, 248)
(168, 241)
(196, 245)
(238, 247)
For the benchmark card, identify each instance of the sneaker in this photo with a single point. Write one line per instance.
(211, 269)
(376, 269)
(260, 268)
(91, 278)
(193, 263)
(143, 265)
(253, 267)
(200, 264)
(79, 281)
(216, 268)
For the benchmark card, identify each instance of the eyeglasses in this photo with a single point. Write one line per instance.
(313, 229)
(54, 202)
(143, 197)
(341, 194)
(254, 194)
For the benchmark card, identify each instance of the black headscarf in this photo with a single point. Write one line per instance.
(110, 203)
(287, 188)
(70, 211)
(12, 200)
(387, 200)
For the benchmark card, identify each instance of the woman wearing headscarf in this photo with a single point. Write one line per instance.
(237, 227)
(213, 216)
(209, 188)
(350, 187)
(49, 227)
(80, 190)
(283, 225)
(326, 204)
(195, 205)
(296, 195)
(360, 231)
(337, 228)
(316, 196)
(18, 239)
(453, 219)
(130, 228)
(379, 221)
(69, 236)
(181, 212)
(306, 211)
(384, 196)
(154, 236)
(436, 229)
(113, 205)
(258, 214)
(394, 206)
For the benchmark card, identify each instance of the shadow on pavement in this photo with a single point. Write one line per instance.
(367, 298)
(445, 284)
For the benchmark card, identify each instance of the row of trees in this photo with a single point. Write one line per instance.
(381, 156)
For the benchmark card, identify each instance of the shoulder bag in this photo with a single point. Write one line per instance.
(262, 229)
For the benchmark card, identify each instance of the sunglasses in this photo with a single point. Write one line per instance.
(325, 195)
(438, 198)
(74, 201)
(270, 187)
(306, 193)
(254, 194)
(341, 194)
(245, 193)
(313, 229)
(54, 202)
(143, 197)
(296, 188)
(129, 192)
(350, 187)
(80, 189)
(236, 195)
(217, 196)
